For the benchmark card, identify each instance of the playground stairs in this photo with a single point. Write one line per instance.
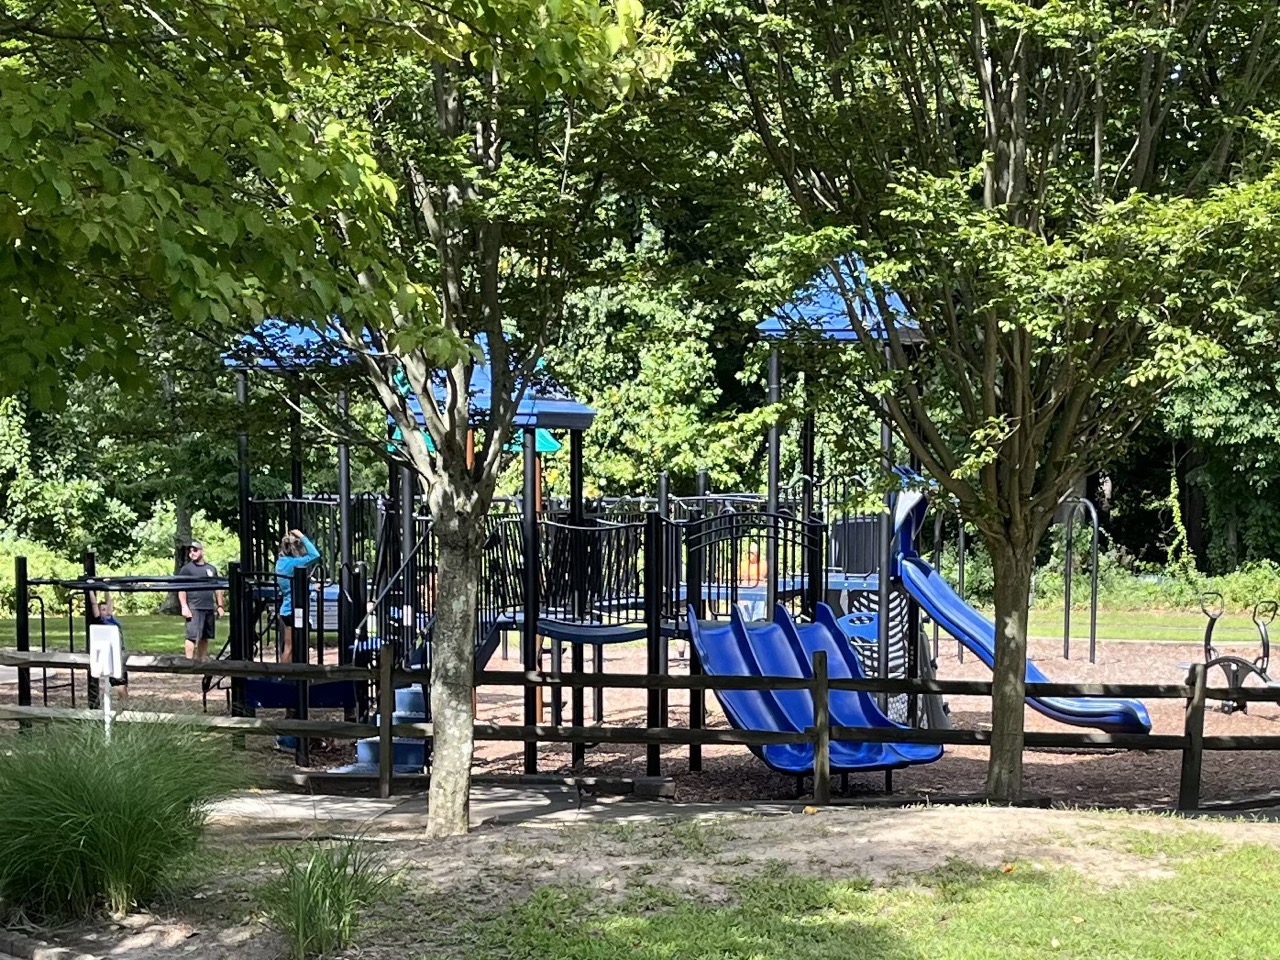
(408, 756)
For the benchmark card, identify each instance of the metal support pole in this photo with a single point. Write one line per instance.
(238, 633)
(654, 551)
(884, 583)
(532, 603)
(579, 582)
(301, 587)
(295, 460)
(92, 685)
(23, 615)
(774, 481)
(807, 466)
(346, 534)
(242, 472)
(409, 579)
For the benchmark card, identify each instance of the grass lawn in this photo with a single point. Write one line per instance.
(157, 634)
(1182, 625)
(1204, 908)
(142, 634)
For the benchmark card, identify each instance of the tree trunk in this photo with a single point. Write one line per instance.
(181, 540)
(453, 648)
(1013, 567)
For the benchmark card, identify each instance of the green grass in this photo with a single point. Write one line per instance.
(1183, 626)
(142, 634)
(160, 634)
(318, 901)
(1212, 907)
(87, 824)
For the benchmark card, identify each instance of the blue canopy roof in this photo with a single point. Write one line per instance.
(819, 309)
(278, 344)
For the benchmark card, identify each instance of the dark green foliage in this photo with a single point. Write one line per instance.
(88, 825)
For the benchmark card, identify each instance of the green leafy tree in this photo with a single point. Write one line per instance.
(498, 152)
(1072, 201)
(154, 160)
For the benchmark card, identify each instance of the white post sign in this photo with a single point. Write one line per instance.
(105, 662)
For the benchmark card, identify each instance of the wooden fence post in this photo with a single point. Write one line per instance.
(821, 730)
(1193, 731)
(386, 712)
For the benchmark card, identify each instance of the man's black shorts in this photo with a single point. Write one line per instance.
(201, 625)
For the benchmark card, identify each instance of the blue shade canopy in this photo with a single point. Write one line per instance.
(546, 443)
(279, 345)
(819, 310)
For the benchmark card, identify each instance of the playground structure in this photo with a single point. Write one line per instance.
(576, 576)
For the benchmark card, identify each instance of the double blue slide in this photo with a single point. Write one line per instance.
(785, 649)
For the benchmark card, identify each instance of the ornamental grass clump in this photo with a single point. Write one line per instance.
(89, 825)
(319, 899)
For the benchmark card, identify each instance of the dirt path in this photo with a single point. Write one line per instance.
(446, 885)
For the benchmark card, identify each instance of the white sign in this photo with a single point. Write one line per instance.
(105, 661)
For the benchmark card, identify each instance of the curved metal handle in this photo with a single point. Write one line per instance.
(1212, 610)
(1265, 609)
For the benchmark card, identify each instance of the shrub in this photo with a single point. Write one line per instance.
(318, 900)
(86, 824)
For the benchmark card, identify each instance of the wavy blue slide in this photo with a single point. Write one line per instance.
(776, 649)
(976, 632)
(849, 708)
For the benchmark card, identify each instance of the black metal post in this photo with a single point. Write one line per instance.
(409, 579)
(242, 472)
(90, 570)
(884, 583)
(532, 603)
(238, 633)
(23, 615)
(295, 460)
(670, 566)
(346, 534)
(301, 587)
(808, 468)
(703, 482)
(654, 552)
(579, 582)
(774, 481)
(696, 532)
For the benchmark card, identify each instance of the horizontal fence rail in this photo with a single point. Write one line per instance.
(1192, 742)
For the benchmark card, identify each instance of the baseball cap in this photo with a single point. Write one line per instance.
(196, 545)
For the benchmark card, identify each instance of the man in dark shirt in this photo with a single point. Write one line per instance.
(199, 606)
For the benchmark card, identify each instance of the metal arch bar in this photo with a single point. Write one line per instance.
(1075, 505)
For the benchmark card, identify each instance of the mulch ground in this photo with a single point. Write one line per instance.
(1132, 779)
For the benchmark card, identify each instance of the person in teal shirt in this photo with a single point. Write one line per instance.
(296, 552)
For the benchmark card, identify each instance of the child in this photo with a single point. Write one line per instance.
(102, 610)
(752, 572)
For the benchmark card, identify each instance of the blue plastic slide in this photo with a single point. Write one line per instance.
(849, 708)
(976, 632)
(734, 649)
(721, 656)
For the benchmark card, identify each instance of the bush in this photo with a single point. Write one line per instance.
(318, 900)
(86, 824)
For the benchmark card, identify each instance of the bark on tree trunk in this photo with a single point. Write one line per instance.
(452, 675)
(181, 540)
(1013, 568)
